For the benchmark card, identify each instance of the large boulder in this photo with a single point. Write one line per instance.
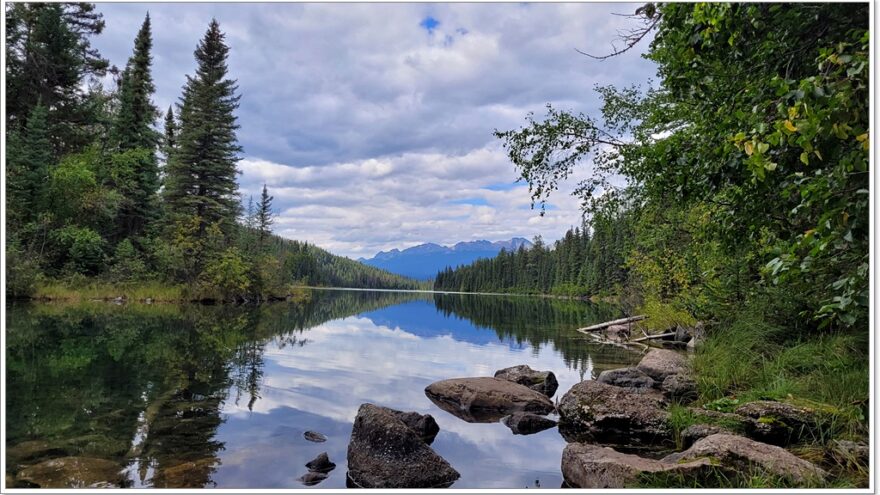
(778, 423)
(745, 456)
(593, 411)
(594, 466)
(73, 472)
(679, 388)
(524, 423)
(660, 363)
(626, 377)
(540, 381)
(385, 453)
(486, 399)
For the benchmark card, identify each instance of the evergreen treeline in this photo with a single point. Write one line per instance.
(583, 262)
(95, 190)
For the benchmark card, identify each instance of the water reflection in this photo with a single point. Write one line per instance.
(218, 396)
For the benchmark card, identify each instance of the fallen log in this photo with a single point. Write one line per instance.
(622, 321)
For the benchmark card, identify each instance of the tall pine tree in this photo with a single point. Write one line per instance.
(169, 143)
(133, 126)
(29, 157)
(201, 171)
(264, 217)
(135, 140)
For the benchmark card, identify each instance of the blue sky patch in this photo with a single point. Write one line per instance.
(470, 201)
(503, 186)
(429, 23)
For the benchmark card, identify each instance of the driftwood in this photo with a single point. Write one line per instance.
(622, 321)
(658, 336)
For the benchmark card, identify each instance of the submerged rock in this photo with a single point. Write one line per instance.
(385, 453)
(485, 399)
(540, 381)
(593, 411)
(523, 423)
(423, 424)
(321, 464)
(679, 388)
(189, 474)
(314, 436)
(660, 363)
(626, 377)
(312, 478)
(594, 466)
(742, 455)
(778, 423)
(32, 450)
(73, 472)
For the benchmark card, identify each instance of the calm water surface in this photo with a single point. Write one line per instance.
(214, 396)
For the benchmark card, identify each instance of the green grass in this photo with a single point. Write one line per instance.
(751, 360)
(747, 359)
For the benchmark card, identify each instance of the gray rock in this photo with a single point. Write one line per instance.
(626, 377)
(321, 464)
(386, 453)
(312, 478)
(485, 399)
(423, 424)
(778, 423)
(743, 455)
(617, 333)
(523, 423)
(660, 363)
(594, 466)
(692, 433)
(73, 472)
(679, 388)
(593, 411)
(314, 436)
(540, 381)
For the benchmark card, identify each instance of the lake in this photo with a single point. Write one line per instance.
(220, 396)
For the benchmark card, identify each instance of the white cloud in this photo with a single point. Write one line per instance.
(372, 132)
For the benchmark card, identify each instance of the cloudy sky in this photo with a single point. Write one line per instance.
(372, 124)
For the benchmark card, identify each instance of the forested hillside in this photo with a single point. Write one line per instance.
(584, 262)
(95, 192)
(746, 202)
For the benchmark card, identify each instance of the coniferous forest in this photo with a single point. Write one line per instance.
(96, 193)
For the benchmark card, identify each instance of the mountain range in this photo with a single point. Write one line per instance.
(425, 260)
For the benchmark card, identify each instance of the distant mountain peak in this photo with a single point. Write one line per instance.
(425, 260)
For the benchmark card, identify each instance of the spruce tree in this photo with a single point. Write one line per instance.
(170, 138)
(29, 156)
(133, 126)
(202, 168)
(132, 134)
(264, 216)
(48, 58)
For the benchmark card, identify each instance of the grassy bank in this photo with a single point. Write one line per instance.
(748, 358)
(140, 291)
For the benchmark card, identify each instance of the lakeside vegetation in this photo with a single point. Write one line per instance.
(101, 204)
(745, 204)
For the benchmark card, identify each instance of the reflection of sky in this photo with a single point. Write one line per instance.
(376, 358)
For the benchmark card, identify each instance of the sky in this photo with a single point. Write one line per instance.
(371, 124)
